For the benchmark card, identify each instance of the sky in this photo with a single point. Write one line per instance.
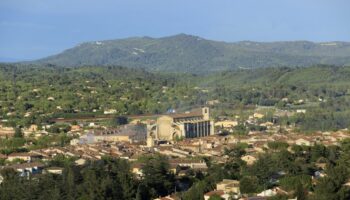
(32, 29)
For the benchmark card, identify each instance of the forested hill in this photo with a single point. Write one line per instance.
(313, 76)
(188, 53)
(46, 92)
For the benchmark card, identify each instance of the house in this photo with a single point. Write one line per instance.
(226, 123)
(136, 169)
(319, 174)
(30, 130)
(190, 147)
(347, 184)
(2, 156)
(21, 156)
(226, 189)
(321, 165)
(110, 111)
(196, 165)
(28, 168)
(169, 197)
(249, 159)
(80, 162)
(75, 128)
(229, 187)
(74, 141)
(301, 111)
(272, 192)
(127, 133)
(303, 142)
(254, 198)
(258, 115)
(54, 170)
(267, 193)
(33, 128)
(219, 193)
(6, 131)
(267, 124)
(213, 102)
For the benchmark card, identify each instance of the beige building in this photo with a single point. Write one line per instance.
(127, 133)
(228, 186)
(21, 156)
(181, 125)
(226, 123)
(226, 189)
(6, 131)
(249, 159)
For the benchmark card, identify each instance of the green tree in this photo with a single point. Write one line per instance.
(300, 193)
(120, 120)
(18, 133)
(215, 197)
(157, 176)
(248, 184)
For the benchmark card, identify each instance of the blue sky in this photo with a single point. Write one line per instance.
(31, 29)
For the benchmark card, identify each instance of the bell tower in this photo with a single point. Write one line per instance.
(205, 112)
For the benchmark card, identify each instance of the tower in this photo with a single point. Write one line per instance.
(150, 141)
(205, 112)
(151, 133)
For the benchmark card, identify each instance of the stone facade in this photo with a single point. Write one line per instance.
(174, 126)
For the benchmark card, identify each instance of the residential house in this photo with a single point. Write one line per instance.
(303, 142)
(229, 187)
(258, 115)
(136, 169)
(226, 124)
(28, 168)
(6, 131)
(219, 193)
(249, 159)
(54, 170)
(22, 156)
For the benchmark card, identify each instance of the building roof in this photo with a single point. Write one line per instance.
(193, 113)
(228, 181)
(26, 165)
(2, 156)
(54, 168)
(185, 115)
(215, 192)
(21, 154)
(126, 130)
(256, 198)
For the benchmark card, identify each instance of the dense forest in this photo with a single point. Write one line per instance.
(32, 94)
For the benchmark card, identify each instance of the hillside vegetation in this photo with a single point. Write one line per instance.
(188, 53)
(35, 94)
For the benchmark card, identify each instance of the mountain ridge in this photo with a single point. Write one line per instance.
(188, 53)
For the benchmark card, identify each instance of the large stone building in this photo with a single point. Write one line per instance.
(181, 125)
(127, 133)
